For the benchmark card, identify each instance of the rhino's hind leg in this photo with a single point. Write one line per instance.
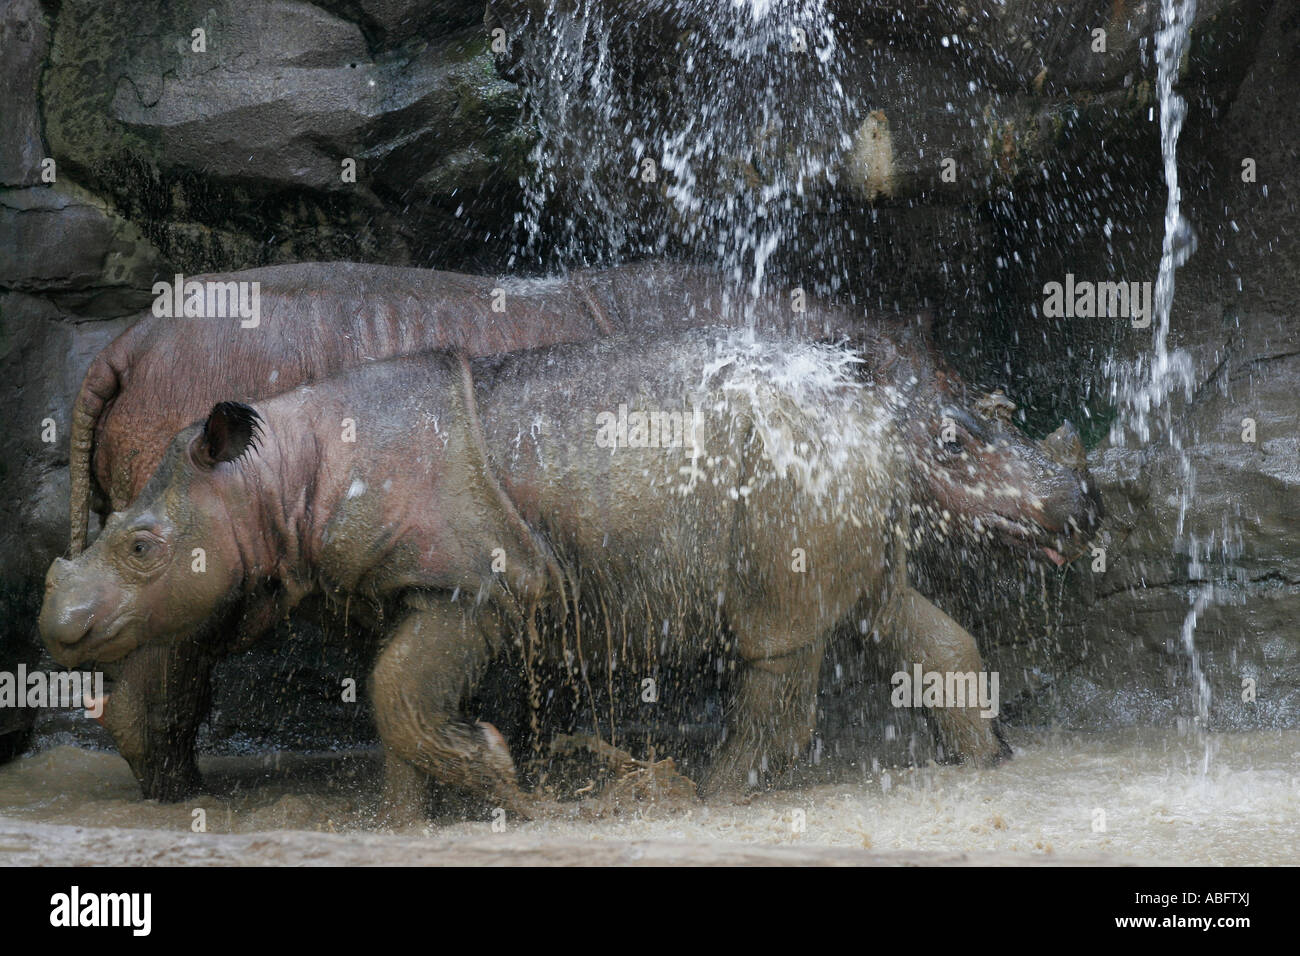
(432, 656)
(920, 633)
(770, 722)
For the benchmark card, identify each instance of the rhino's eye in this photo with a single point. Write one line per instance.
(144, 549)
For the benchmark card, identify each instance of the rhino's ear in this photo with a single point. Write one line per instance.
(231, 431)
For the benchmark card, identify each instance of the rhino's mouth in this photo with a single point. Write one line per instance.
(1031, 538)
(97, 643)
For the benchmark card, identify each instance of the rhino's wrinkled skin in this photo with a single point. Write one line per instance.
(317, 318)
(460, 531)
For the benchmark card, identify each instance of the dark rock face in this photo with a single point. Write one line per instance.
(234, 154)
(887, 140)
(168, 158)
(69, 246)
(24, 38)
(1236, 315)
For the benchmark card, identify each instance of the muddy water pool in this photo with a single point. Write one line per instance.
(1135, 795)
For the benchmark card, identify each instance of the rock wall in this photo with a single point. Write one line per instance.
(1237, 314)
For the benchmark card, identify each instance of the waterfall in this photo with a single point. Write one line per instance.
(713, 159)
(1144, 386)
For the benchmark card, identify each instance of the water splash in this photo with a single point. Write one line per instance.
(774, 112)
(1145, 386)
(712, 159)
(816, 422)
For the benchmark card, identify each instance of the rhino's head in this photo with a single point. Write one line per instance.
(975, 472)
(166, 566)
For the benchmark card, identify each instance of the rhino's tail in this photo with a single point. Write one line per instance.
(98, 389)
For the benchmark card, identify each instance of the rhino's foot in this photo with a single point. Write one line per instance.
(418, 681)
(470, 757)
(159, 696)
(498, 769)
(727, 785)
(398, 817)
(740, 767)
(921, 634)
(770, 721)
(971, 740)
(406, 792)
(167, 771)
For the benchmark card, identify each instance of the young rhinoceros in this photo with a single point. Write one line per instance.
(677, 475)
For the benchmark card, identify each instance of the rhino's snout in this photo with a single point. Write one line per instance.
(1071, 512)
(72, 613)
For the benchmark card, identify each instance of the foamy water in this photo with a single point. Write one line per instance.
(1159, 806)
(816, 422)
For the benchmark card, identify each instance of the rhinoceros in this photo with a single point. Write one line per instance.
(476, 492)
(316, 318)
(319, 317)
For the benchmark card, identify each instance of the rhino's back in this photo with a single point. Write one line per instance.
(316, 319)
(779, 447)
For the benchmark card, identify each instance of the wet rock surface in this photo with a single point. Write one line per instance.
(235, 154)
(1118, 653)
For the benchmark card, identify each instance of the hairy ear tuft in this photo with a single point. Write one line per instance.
(231, 431)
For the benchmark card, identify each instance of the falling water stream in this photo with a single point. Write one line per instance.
(1145, 387)
(715, 165)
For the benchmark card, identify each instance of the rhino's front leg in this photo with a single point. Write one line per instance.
(433, 655)
(770, 721)
(920, 633)
(160, 696)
